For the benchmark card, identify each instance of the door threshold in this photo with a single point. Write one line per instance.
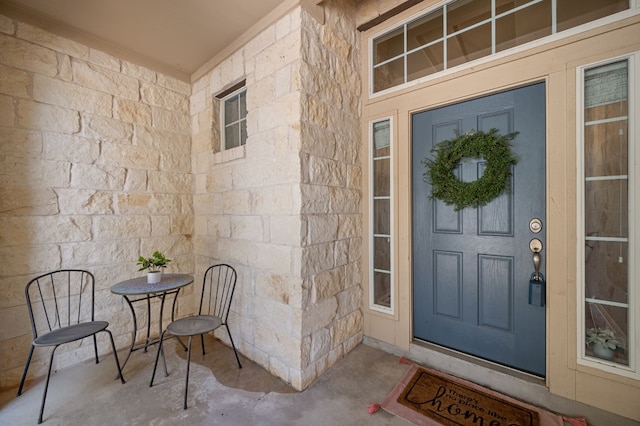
(418, 346)
(517, 384)
(509, 381)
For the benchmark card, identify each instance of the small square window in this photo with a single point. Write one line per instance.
(233, 116)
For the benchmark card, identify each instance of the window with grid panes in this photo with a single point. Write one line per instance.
(381, 287)
(608, 210)
(465, 30)
(234, 119)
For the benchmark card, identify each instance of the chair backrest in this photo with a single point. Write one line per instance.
(59, 299)
(218, 287)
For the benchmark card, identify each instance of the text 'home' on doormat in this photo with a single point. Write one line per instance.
(427, 397)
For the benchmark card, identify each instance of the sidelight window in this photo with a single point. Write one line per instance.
(609, 207)
(381, 291)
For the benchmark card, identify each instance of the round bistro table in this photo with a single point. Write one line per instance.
(139, 290)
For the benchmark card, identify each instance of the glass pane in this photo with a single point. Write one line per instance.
(382, 253)
(606, 208)
(608, 323)
(231, 110)
(425, 30)
(606, 271)
(243, 104)
(464, 13)
(470, 45)
(507, 5)
(426, 61)
(606, 85)
(389, 45)
(605, 146)
(388, 75)
(381, 177)
(382, 289)
(523, 26)
(232, 136)
(243, 132)
(381, 217)
(610, 109)
(381, 136)
(382, 152)
(572, 13)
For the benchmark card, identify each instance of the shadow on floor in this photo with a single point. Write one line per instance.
(251, 377)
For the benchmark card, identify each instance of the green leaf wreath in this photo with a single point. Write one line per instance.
(493, 147)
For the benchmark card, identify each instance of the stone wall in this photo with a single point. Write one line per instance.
(284, 209)
(331, 188)
(247, 199)
(104, 161)
(95, 171)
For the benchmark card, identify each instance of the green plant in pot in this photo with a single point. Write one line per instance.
(605, 342)
(154, 266)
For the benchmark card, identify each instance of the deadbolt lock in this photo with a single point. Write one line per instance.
(535, 225)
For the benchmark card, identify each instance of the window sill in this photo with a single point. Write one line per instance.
(229, 155)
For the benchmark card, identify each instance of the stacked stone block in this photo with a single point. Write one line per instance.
(104, 160)
(96, 170)
(285, 208)
(331, 182)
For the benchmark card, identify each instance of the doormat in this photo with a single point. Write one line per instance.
(427, 397)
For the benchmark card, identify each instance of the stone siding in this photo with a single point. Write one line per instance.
(96, 170)
(331, 194)
(105, 160)
(285, 208)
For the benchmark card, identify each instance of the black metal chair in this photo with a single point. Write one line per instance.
(61, 310)
(218, 287)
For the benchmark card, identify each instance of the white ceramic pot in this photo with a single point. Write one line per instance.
(602, 352)
(154, 277)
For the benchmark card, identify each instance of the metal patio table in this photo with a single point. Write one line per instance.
(139, 290)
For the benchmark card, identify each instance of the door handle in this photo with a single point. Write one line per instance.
(537, 291)
(535, 245)
(536, 265)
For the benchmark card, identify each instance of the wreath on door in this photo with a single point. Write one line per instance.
(496, 151)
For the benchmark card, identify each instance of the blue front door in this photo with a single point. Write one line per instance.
(471, 268)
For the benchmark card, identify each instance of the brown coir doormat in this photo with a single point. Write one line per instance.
(428, 397)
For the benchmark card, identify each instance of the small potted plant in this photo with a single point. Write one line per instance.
(605, 342)
(154, 266)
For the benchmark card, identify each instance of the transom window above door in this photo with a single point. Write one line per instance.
(466, 30)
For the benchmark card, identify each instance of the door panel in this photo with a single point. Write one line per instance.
(471, 268)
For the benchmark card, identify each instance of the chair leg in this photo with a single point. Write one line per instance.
(155, 365)
(26, 368)
(186, 383)
(46, 386)
(115, 355)
(233, 346)
(202, 341)
(95, 347)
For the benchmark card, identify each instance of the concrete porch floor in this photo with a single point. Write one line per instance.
(220, 393)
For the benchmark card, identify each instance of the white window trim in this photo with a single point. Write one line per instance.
(223, 138)
(634, 9)
(633, 342)
(371, 273)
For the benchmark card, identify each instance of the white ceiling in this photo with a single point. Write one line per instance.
(175, 36)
